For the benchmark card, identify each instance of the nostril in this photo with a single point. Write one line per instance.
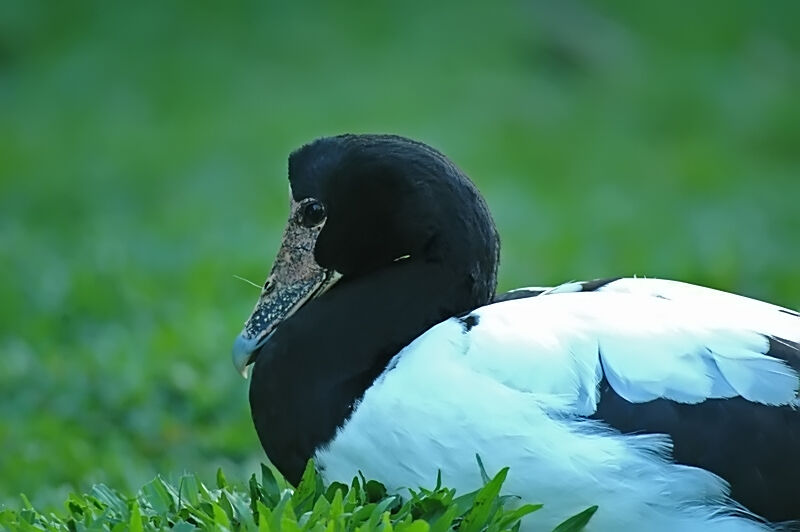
(268, 287)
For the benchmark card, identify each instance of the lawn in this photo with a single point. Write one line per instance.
(143, 164)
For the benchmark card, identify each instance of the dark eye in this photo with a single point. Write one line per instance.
(312, 213)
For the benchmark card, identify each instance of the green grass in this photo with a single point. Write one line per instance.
(143, 165)
(274, 505)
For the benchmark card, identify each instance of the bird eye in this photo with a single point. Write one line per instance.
(311, 214)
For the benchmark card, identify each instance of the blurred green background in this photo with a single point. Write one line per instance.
(143, 164)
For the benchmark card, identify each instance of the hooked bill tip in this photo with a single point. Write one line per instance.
(243, 348)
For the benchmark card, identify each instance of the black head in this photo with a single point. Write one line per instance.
(363, 203)
(389, 197)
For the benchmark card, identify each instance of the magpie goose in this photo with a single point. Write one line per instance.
(378, 345)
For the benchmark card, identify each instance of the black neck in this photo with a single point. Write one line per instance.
(318, 363)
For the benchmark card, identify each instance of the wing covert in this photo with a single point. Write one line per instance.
(650, 338)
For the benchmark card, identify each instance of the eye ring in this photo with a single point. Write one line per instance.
(311, 213)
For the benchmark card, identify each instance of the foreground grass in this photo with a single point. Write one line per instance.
(272, 505)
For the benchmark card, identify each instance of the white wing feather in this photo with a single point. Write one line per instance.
(650, 338)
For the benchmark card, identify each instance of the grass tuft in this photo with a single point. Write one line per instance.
(271, 504)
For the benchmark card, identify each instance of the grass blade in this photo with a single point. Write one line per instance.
(577, 522)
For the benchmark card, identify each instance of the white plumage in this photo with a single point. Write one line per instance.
(541, 359)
